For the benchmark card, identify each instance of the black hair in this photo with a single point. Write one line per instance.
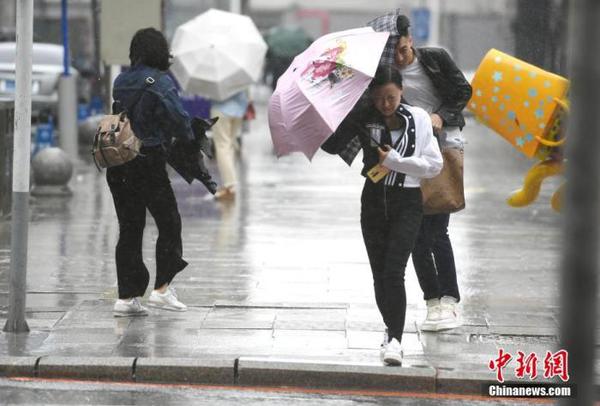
(386, 74)
(149, 47)
(402, 25)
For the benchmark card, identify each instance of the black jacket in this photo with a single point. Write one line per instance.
(448, 80)
(187, 157)
(353, 134)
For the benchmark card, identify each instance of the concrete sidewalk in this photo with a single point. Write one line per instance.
(279, 286)
(317, 345)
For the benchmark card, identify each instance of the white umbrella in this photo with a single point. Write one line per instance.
(217, 54)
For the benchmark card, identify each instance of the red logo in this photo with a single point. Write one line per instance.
(526, 365)
(555, 364)
(499, 364)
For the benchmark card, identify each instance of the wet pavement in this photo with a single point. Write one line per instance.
(32, 392)
(282, 273)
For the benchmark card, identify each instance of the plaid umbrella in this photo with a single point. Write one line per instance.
(387, 23)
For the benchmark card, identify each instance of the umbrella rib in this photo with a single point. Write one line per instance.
(241, 64)
(308, 106)
(311, 104)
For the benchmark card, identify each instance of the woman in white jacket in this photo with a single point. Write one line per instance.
(398, 143)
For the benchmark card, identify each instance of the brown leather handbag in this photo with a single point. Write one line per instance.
(445, 193)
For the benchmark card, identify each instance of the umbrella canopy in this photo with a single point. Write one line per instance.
(387, 23)
(287, 42)
(217, 54)
(320, 87)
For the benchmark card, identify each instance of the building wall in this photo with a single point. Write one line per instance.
(378, 6)
(178, 12)
(47, 28)
(468, 28)
(470, 37)
(7, 18)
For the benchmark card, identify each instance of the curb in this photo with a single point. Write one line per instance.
(185, 370)
(121, 369)
(98, 369)
(280, 372)
(252, 371)
(18, 366)
(463, 383)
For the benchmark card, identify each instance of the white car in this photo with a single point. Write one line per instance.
(46, 70)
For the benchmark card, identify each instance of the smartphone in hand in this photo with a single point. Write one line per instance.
(375, 133)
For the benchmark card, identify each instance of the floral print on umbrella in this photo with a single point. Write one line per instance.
(329, 65)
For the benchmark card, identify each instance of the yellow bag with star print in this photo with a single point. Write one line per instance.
(521, 102)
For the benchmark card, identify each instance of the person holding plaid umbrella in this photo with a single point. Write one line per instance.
(433, 82)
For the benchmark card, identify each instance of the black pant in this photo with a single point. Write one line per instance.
(433, 258)
(390, 220)
(136, 186)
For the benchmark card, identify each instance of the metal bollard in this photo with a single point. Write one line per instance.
(52, 170)
(6, 148)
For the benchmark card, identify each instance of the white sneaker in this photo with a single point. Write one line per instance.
(449, 315)
(384, 344)
(434, 313)
(129, 308)
(166, 301)
(393, 353)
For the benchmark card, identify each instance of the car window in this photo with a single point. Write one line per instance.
(43, 54)
(7, 55)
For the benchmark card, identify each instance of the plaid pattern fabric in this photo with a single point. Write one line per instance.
(384, 23)
(387, 23)
(351, 150)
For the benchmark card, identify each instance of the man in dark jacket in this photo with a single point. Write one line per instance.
(433, 82)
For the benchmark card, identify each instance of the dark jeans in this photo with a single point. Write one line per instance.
(136, 186)
(390, 220)
(434, 260)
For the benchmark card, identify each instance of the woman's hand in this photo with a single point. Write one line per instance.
(383, 152)
(436, 122)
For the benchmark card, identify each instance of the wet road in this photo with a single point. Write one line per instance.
(293, 235)
(283, 270)
(39, 392)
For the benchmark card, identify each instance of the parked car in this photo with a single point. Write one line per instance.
(47, 66)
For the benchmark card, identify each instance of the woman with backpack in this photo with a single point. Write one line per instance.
(150, 99)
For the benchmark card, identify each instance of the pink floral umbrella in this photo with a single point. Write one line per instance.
(320, 88)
